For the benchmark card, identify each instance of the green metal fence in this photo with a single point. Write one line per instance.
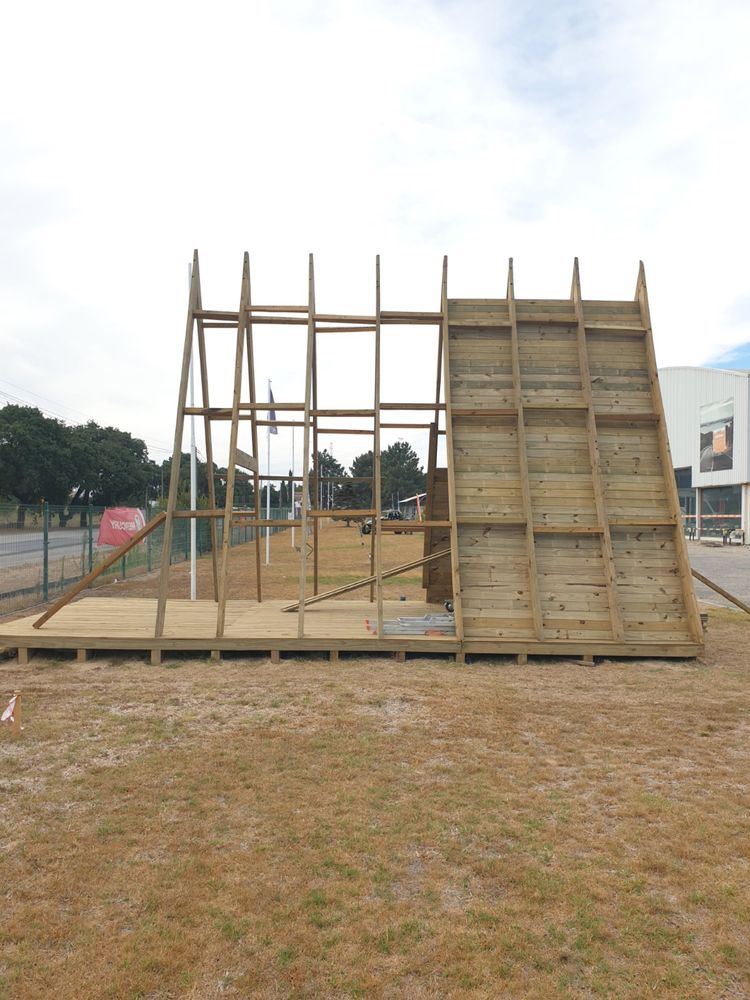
(45, 549)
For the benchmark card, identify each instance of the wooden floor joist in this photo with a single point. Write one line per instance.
(553, 523)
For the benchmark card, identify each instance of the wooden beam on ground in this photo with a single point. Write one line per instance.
(719, 590)
(174, 479)
(366, 580)
(610, 574)
(523, 460)
(90, 577)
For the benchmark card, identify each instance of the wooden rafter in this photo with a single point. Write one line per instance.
(596, 472)
(203, 362)
(673, 502)
(452, 511)
(523, 461)
(385, 575)
(253, 404)
(231, 464)
(174, 479)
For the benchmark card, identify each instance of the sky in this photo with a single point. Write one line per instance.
(129, 135)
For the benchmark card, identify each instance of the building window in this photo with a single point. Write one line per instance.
(721, 509)
(686, 494)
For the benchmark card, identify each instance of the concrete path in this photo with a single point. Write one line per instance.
(727, 565)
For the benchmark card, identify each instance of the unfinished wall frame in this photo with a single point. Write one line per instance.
(554, 527)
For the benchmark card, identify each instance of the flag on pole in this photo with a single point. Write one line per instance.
(271, 412)
(8, 714)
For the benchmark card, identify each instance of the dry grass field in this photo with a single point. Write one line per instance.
(379, 830)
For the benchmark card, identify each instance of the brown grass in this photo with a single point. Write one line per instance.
(344, 558)
(378, 830)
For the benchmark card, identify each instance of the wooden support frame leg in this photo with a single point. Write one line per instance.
(82, 655)
(23, 655)
(155, 657)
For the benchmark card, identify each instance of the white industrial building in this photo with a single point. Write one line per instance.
(708, 421)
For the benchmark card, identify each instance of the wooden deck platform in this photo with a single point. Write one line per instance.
(190, 626)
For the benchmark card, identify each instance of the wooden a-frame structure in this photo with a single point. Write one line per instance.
(554, 527)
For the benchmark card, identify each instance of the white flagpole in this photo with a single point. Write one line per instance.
(268, 485)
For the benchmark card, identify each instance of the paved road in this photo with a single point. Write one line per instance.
(21, 548)
(727, 565)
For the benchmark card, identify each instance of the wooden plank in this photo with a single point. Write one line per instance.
(523, 460)
(306, 449)
(244, 461)
(720, 590)
(90, 577)
(254, 406)
(385, 574)
(452, 511)
(691, 605)
(221, 609)
(174, 479)
(593, 446)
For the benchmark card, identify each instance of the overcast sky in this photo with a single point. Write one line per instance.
(131, 134)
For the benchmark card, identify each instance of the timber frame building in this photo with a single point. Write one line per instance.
(554, 526)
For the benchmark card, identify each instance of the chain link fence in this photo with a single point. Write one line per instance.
(44, 549)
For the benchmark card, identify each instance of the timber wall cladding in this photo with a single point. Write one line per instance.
(592, 548)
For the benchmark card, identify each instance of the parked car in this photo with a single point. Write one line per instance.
(386, 515)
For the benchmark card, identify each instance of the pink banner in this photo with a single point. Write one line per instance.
(118, 524)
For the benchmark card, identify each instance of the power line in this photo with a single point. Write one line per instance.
(55, 414)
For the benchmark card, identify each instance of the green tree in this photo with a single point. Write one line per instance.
(352, 495)
(35, 459)
(327, 490)
(108, 466)
(401, 475)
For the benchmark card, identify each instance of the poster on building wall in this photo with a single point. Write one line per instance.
(717, 435)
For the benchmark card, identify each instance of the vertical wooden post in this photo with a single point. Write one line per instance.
(452, 514)
(203, 363)
(242, 320)
(258, 513)
(429, 505)
(523, 460)
(316, 499)
(610, 575)
(377, 528)
(306, 448)
(675, 512)
(174, 479)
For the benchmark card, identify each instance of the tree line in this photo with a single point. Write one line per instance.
(42, 458)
